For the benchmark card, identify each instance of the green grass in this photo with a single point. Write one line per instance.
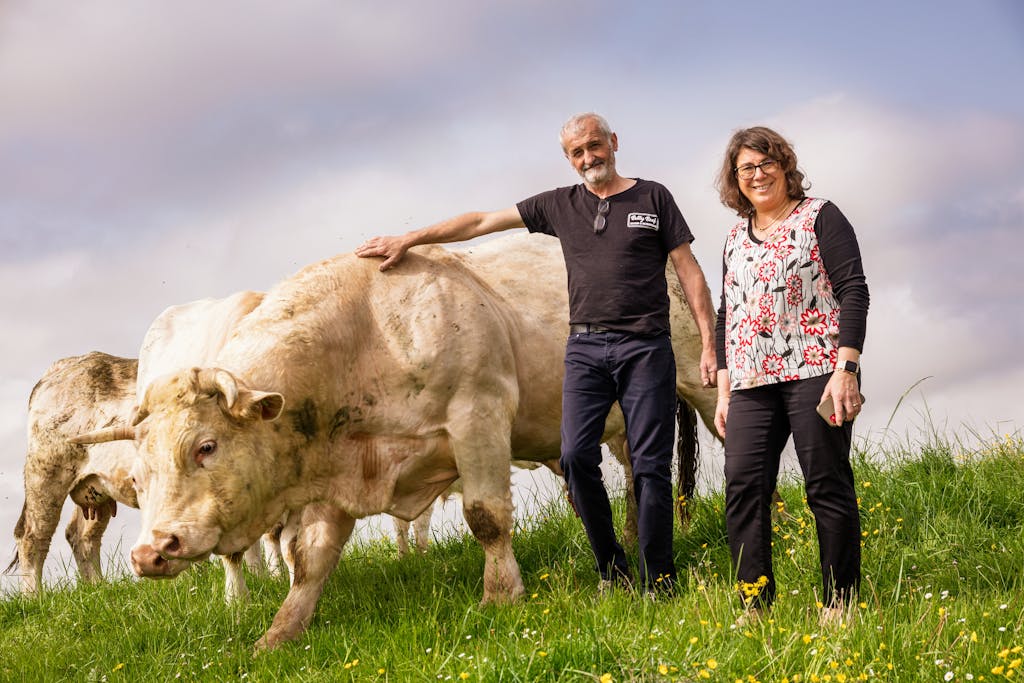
(941, 600)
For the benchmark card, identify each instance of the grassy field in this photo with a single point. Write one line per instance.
(943, 536)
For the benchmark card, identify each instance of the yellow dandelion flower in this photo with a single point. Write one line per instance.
(534, 596)
(997, 670)
(704, 673)
(866, 484)
(543, 577)
(542, 653)
(807, 639)
(841, 677)
(1004, 653)
(546, 611)
(464, 675)
(381, 671)
(1014, 663)
(662, 669)
(693, 640)
(712, 664)
(606, 678)
(120, 665)
(974, 636)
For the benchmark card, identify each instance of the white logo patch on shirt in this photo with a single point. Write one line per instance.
(647, 221)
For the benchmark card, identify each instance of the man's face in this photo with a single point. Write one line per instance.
(591, 152)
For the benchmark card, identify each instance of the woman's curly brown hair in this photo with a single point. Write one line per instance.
(771, 144)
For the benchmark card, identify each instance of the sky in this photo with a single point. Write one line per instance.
(156, 153)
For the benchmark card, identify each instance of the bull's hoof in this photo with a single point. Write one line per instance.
(274, 638)
(264, 644)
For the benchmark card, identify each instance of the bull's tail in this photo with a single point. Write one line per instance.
(688, 452)
(19, 532)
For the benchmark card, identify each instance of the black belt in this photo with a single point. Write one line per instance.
(587, 328)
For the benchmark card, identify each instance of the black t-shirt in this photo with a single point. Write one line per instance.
(617, 277)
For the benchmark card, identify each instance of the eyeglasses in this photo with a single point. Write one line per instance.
(599, 219)
(747, 171)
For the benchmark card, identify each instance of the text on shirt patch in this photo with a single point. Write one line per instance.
(647, 221)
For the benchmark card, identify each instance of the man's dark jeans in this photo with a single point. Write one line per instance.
(639, 373)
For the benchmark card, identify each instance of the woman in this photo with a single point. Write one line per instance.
(790, 331)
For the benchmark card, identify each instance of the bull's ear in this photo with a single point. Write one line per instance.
(261, 405)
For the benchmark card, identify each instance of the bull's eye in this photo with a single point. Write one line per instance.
(205, 450)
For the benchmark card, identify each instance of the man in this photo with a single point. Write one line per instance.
(616, 234)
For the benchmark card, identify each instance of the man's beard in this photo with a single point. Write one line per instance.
(595, 175)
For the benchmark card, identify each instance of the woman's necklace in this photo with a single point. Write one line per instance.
(783, 212)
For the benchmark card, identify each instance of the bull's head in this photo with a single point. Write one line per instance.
(205, 474)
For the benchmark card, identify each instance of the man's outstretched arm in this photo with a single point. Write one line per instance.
(462, 227)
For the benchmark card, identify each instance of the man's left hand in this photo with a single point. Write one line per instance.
(708, 368)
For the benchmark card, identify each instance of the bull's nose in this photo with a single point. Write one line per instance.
(168, 545)
(146, 561)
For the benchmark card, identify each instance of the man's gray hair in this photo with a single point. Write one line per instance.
(578, 120)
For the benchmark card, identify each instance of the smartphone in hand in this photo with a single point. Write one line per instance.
(827, 410)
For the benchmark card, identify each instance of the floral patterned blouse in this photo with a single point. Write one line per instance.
(780, 308)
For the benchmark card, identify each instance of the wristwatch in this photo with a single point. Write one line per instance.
(849, 366)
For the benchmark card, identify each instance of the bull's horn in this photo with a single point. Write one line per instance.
(119, 433)
(226, 383)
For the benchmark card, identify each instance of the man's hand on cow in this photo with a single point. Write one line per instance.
(391, 248)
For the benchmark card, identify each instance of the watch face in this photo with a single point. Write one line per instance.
(849, 366)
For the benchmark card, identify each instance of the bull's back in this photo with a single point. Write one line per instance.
(360, 351)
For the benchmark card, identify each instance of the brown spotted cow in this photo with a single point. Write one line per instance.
(83, 393)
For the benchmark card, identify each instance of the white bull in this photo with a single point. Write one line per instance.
(348, 392)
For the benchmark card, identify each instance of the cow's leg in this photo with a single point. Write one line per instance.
(421, 527)
(323, 532)
(253, 558)
(289, 531)
(84, 534)
(401, 535)
(45, 492)
(272, 548)
(620, 450)
(483, 458)
(235, 588)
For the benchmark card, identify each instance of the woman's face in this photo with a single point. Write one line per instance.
(766, 189)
